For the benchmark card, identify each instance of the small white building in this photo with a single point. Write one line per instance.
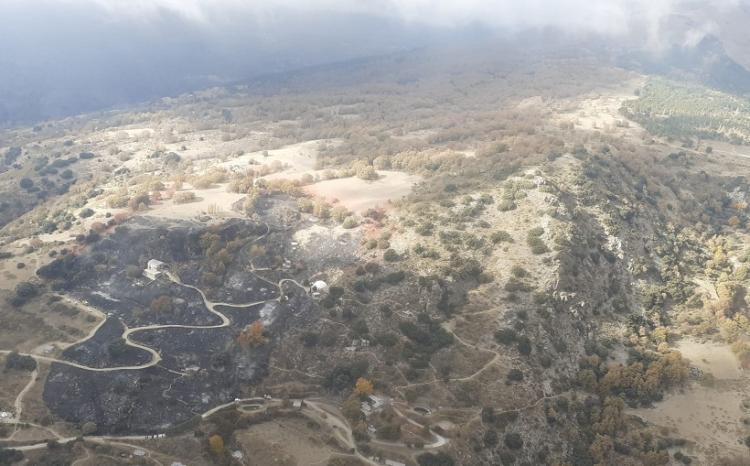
(373, 404)
(360, 343)
(319, 286)
(155, 269)
(377, 402)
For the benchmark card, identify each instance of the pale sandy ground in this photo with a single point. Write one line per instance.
(294, 161)
(287, 442)
(298, 158)
(216, 201)
(706, 416)
(10, 275)
(468, 153)
(714, 358)
(306, 235)
(355, 194)
(709, 416)
(359, 195)
(601, 110)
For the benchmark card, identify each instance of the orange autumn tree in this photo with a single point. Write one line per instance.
(252, 335)
(363, 387)
(216, 443)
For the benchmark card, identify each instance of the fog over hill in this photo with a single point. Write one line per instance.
(62, 57)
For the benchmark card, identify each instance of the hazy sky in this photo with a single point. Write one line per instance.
(64, 56)
(599, 15)
(610, 16)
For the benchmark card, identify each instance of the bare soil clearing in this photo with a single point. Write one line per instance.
(601, 110)
(359, 195)
(705, 416)
(714, 358)
(710, 416)
(216, 201)
(287, 442)
(296, 158)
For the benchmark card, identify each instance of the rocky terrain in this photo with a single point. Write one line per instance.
(487, 260)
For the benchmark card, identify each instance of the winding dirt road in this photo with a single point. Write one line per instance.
(318, 410)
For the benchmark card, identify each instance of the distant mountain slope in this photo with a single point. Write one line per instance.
(706, 63)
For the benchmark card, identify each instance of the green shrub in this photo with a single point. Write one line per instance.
(501, 236)
(350, 222)
(524, 345)
(183, 197)
(26, 290)
(117, 201)
(435, 459)
(506, 205)
(15, 361)
(514, 285)
(535, 242)
(390, 255)
(505, 336)
(513, 441)
(394, 277)
(536, 231)
(514, 375)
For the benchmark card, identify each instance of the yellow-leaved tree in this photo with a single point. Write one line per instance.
(216, 443)
(363, 387)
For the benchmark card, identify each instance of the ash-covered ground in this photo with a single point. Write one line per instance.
(200, 367)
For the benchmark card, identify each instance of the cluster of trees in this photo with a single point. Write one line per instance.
(219, 251)
(324, 210)
(24, 291)
(344, 376)
(369, 278)
(8, 456)
(11, 155)
(364, 170)
(435, 459)
(425, 338)
(508, 336)
(15, 361)
(669, 109)
(138, 201)
(641, 381)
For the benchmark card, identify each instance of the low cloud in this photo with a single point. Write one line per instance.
(66, 56)
(648, 20)
(599, 16)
